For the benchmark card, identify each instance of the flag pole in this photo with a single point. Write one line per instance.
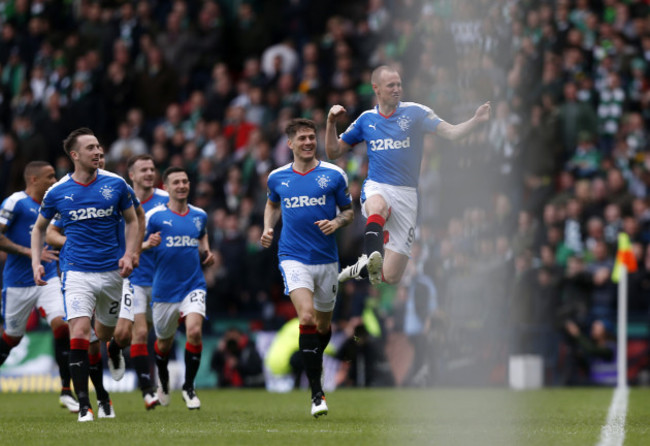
(621, 348)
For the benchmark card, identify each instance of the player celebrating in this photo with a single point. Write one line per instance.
(122, 335)
(89, 202)
(179, 286)
(306, 193)
(394, 133)
(142, 173)
(18, 214)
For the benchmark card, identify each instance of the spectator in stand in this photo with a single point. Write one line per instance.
(237, 362)
(593, 357)
(585, 162)
(574, 117)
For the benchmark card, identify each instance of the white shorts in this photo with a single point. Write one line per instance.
(17, 304)
(321, 280)
(126, 308)
(167, 315)
(142, 301)
(84, 292)
(402, 203)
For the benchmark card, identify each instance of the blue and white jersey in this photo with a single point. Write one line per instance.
(121, 232)
(143, 274)
(305, 199)
(394, 142)
(177, 264)
(18, 214)
(90, 215)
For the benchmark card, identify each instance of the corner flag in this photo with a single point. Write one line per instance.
(624, 256)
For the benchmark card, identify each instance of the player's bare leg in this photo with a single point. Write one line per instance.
(394, 266)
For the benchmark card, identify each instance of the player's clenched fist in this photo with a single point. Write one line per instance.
(335, 112)
(483, 112)
(267, 238)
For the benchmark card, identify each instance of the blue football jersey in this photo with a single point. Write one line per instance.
(18, 214)
(90, 215)
(305, 199)
(121, 233)
(394, 143)
(143, 274)
(177, 264)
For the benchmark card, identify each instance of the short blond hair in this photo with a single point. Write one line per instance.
(377, 72)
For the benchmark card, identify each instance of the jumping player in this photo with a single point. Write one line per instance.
(394, 133)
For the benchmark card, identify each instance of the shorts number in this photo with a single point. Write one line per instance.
(127, 300)
(115, 306)
(197, 296)
(411, 237)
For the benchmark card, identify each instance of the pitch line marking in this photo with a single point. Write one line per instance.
(613, 432)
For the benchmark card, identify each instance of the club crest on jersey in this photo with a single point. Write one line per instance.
(323, 181)
(107, 192)
(197, 223)
(404, 122)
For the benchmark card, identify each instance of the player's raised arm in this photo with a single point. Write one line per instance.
(454, 132)
(38, 239)
(272, 213)
(334, 147)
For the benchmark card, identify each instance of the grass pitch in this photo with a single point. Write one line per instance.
(357, 417)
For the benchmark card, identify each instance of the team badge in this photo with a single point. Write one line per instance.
(197, 223)
(76, 305)
(404, 122)
(323, 181)
(107, 192)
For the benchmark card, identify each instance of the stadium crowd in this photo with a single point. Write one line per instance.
(518, 222)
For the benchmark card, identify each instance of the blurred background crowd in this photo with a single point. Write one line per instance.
(518, 222)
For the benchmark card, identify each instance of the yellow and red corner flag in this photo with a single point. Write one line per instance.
(624, 256)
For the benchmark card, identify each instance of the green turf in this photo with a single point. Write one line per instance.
(357, 417)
